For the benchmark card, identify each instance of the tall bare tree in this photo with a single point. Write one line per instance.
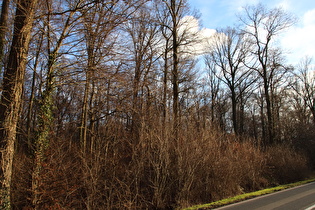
(176, 14)
(143, 31)
(305, 85)
(262, 25)
(229, 52)
(180, 37)
(13, 80)
(3, 29)
(99, 25)
(54, 43)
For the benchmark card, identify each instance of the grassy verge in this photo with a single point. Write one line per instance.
(247, 196)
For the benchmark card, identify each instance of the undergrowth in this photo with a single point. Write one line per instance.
(156, 172)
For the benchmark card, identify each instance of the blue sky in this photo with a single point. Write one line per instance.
(298, 41)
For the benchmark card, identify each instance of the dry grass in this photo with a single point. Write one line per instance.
(157, 171)
(285, 165)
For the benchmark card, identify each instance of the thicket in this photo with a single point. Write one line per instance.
(204, 166)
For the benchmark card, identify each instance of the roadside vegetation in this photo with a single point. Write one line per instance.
(207, 166)
(246, 196)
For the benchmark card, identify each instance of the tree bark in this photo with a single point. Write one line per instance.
(32, 98)
(11, 99)
(270, 125)
(3, 29)
(234, 110)
(84, 114)
(165, 74)
(175, 69)
(313, 109)
(136, 104)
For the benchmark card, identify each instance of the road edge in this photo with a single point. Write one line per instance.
(247, 196)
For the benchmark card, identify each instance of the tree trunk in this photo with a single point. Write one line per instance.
(92, 117)
(270, 126)
(136, 104)
(234, 111)
(45, 120)
(313, 109)
(165, 73)
(263, 124)
(11, 99)
(46, 106)
(84, 114)
(29, 113)
(87, 100)
(3, 29)
(175, 70)
(241, 116)
(32, 97)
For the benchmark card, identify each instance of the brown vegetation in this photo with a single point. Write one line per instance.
(207, 166)
(112, 111)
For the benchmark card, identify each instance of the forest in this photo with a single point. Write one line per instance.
(131, 104)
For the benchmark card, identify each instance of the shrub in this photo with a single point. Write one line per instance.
(285, 165)
(156, 172)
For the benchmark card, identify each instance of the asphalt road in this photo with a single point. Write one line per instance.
(297, 198)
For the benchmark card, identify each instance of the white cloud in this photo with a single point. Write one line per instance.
(300, 39)
(189, 24)
(207, 32)
(309, 17)
(206, 35)
(198, 38)
(194, 39)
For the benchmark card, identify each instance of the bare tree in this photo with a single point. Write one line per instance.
(214, 85)
(99, 25)
(13, 80)
(262, 25)
(54, 43)
(3, 29)
(229, 51)
(31, 112)
(176, 14)
(305, 85)
(143, 31)
(177, 32)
